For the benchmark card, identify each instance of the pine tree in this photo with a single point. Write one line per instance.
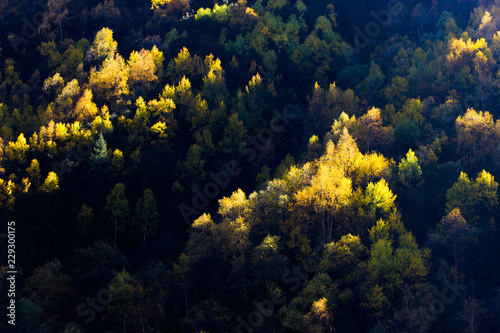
(100, 155)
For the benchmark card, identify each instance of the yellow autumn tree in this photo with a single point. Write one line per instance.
(370, 132)
(9, 191)
(477, 135)
(102, 123)
(51, 183)
(234, 206)
(109, 84)
(117, 161)
(85, 109)
(330, 189)
(104, 46)
(34, 173)
(16, 151)
(142, 68)
(320, 316)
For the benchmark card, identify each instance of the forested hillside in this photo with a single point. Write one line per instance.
(250, 166)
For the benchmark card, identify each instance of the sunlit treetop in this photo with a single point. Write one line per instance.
(218, 13)
(409, 169)
(203, 222)
(157, 3)
(51, 183)
(254, 83)
(234, 206)
(459, 48)
(17, 150)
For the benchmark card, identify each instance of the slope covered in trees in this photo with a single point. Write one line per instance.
(251, 166)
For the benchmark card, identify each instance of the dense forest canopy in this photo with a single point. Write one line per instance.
(251, 166)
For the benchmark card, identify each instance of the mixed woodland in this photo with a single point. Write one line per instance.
(251, 166)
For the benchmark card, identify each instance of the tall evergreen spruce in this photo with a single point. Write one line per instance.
(100, 155)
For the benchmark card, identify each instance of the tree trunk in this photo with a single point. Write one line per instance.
(192, 193)
(60, 24)
(475, 157)
(144, 239)
(140, 316)
(124, 326)
(330, 227)
(116, 229)
(456, 255)
(232, 163)
(324, 231)
(8, 10)
(186, 299)
(370, 137)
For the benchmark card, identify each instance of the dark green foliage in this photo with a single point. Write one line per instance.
(100, 155)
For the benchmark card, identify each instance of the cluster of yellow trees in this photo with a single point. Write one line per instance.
(335, 199)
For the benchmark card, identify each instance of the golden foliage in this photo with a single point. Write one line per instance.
(16, 151)
(51, 183)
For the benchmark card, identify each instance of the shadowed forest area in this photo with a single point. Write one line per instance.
(250, 166)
